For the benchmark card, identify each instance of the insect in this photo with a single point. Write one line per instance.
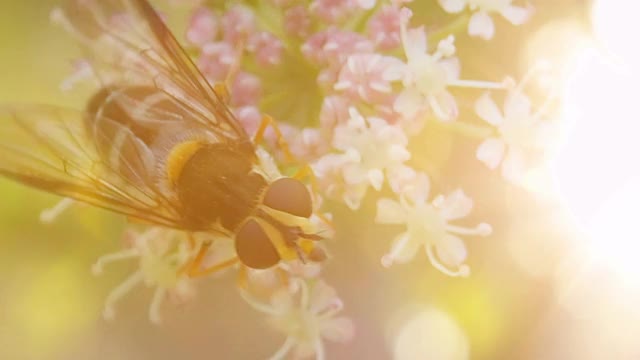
(157, 143)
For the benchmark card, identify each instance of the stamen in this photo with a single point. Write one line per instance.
(82, 71)
(256, 304)
(120, 291)
(304, 297)
(154, 309)
(98, 267)
(436, 107)
(319, 349)
(482, 229)
(49, 215)
(537, 67)
(334, 308)
(389, 258)
(463, 270)
(284, 349)
(478, 84)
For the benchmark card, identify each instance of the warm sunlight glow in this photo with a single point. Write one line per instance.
(598, 169)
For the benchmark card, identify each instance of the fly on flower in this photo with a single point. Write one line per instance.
(158, 144)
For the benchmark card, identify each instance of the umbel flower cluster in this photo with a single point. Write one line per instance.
(352, 84)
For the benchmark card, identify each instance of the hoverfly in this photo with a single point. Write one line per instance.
(157, 143)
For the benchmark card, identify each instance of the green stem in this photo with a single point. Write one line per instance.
(454, 27)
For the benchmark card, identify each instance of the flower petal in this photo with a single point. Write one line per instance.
(376, 178)
(322, 297)
(513, 167)
(444, 106)
(491, 152)
(456, 205)
(340, 329)
(451, 67)
(481, 25)
(390, 212)
(517, 15)
(488, 111)
(452, 6)
(414, 42)
(451, 251)
(517, 106)
(408, 102)
(403, 249)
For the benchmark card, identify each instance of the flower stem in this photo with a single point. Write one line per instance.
(454, 27)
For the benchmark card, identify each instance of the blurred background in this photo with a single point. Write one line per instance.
(558, 279)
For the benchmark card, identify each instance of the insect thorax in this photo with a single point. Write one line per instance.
(217, 183)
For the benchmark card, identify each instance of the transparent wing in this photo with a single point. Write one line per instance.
(127, 43)
(48, 147)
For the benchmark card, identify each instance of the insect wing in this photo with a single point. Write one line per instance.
(127, 43)
(48, 147)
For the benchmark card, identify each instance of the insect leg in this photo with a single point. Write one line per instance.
(259, 136)
(222, 89)
(194, 268)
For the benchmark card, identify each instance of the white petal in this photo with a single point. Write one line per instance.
(415, 43)
(339, 329)
(451, 67)
(516, 15)
(444, 106)
(398, 153)
(481, 25)
(453, 6)
(451, 251)
(354, 174)
(403, 249)
(353, 196)
(517, 106)
(456, 205)
(400, 177)
(376, 178)
(390, 212)
(491, 152)
(408, 102)
(513, 167)
(488, 111)
(322, 297)
(394, 69)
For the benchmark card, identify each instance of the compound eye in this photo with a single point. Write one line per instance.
(289, 195)
(254, 247)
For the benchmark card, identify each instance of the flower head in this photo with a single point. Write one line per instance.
(520, 131)
(162, 254)
(427, 76)
(428, 224)
(307, 314)
(372, 150)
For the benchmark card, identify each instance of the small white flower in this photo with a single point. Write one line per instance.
(427, 76)
(306, 313)
(162, 254)
(372, 151)
(428, 225)
(520, 130)
(480, 23)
